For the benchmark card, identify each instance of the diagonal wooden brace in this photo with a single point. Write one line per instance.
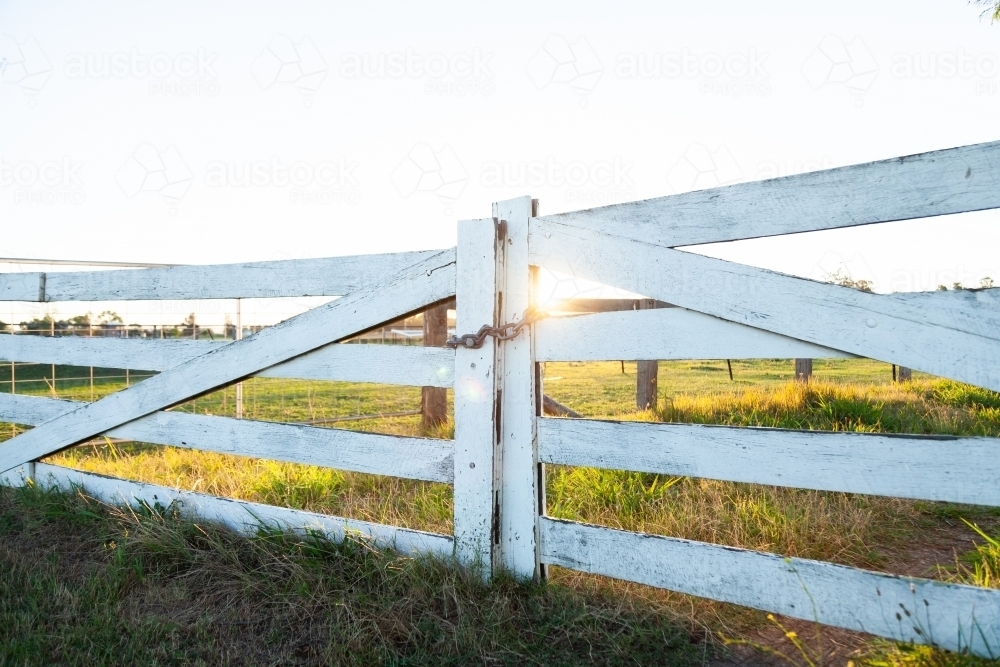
(410, 290)
(944, 339)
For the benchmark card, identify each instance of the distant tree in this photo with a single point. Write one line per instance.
(984, 283)
(3, 325)
(45, 323)
(190, 325)
(48, 323)
(844, 279)
(80, 321)
(992, 9)
(109, 317)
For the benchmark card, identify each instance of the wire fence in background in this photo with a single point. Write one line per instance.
(219, 321)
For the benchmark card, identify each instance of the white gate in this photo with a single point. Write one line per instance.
(502, 443)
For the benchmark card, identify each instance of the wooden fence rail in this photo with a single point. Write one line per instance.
(385, 364)
(496, 462)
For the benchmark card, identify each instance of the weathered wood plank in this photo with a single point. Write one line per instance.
(869, 325)
(941, 182)
(951, 616)
(397, 456)
(944, 468)
(134, 353)
(33, 410)
(428, 282)
(667, 333)
(476, 387)
(551, 406)
(241, 516)
(29, 286)
(976, 311)
(518, 499)
(330, 276)
(386, 364)
(18, 476)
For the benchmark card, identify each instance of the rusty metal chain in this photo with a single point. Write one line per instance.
(502, 332)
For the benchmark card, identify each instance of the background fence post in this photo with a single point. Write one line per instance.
(477, 388)
(646, 373)
(803, 369)
(434, 400)
(519, 456)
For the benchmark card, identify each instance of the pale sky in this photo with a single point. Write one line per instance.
(192, 132)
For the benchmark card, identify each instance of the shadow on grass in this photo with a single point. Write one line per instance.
(87, 584)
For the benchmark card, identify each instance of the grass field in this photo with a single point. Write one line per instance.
(853, 395)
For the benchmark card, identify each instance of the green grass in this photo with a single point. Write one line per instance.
(845, 395)
(85, 584)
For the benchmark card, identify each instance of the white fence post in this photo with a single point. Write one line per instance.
(476, 395)
(518, 452)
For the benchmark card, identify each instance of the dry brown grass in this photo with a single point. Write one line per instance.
(389, 500)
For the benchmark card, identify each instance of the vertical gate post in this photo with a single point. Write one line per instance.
(541, 570)
(477, 386)
(518, 510)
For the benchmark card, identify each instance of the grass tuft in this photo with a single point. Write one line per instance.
(88, 584)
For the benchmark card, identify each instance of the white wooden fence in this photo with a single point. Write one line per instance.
(502, 443)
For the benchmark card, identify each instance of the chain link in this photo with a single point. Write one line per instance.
(502, 332)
